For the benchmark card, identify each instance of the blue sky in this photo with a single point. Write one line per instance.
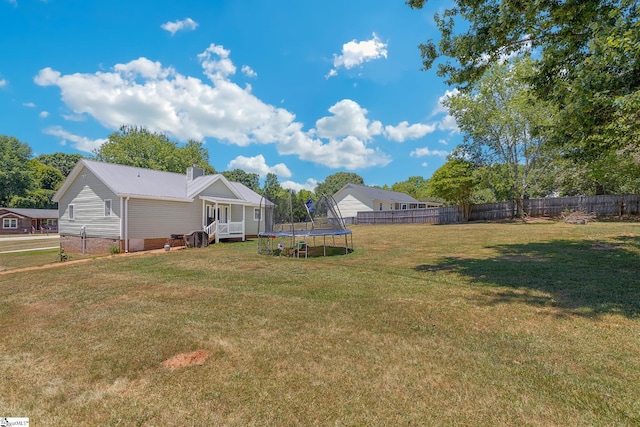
(303, 89)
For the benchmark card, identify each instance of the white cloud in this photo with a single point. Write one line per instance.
(443, 141)
(258, 165)
(424, 164)
(145, 93)
(175, 26)
(348, 119)
(216, 68)
(29, 105)
(309, 185)
(74, 117)
(356, 52)
(248, 71)
(405, 131)
(440, 108)
(44, 114)
(3, 82)
(449, 124)
(421, 152)
(81, 143)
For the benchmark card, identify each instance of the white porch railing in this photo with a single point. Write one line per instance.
(225, 229)
(211, 228)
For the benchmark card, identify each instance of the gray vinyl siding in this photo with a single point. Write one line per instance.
(218, 189)
(87, 194)
(150, 219)
(250, 225)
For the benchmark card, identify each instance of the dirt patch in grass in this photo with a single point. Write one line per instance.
(186, 359)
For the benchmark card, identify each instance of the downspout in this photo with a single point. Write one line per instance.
(121, 232)
(204, 214)
(126, 224)
(217, 222)
(244, 224)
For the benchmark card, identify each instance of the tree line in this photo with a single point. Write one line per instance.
(31, 182)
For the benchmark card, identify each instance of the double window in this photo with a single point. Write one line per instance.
(10, 223)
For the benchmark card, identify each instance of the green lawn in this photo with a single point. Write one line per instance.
(476, 324)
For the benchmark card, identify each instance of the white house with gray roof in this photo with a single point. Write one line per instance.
(103, 204)
(353, 198)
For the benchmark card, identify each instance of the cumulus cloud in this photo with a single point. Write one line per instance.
(175, 26)
(440, 108)
(258, 165)
(146, 93)
(355, 53)
(405, 131)
(80, 143)
(309, 185)
(3, 82)
(44, 114)
(348, 119)
(449, 124)
(248, 71)
(29, 105)
(421, 152)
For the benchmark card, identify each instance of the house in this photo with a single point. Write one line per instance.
(353, 198)
(103, 205)
(24, 221)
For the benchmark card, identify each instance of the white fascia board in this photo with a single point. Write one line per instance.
(167, 199)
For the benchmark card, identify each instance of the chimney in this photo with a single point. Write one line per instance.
(193, 172)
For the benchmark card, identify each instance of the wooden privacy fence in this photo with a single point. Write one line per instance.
(628, 204)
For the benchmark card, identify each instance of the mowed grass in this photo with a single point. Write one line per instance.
(475, 324)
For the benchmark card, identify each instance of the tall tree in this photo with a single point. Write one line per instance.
(15, 173)
(61, 161)
(137, 146)
(588, 56)
(505, 123)
(455, 183)
(415, 186)
(251, 180)
(335, 182)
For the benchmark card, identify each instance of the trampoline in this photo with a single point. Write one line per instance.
(323, 238)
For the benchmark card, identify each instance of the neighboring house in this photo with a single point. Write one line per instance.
(353, 198)
(103, 205)
(24, 221)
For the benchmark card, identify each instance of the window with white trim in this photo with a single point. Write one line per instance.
(71, 212)
(403, 206)
(10, 223)
(107, 207)
(257, 214)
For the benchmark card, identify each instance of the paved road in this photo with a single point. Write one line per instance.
(29, 237)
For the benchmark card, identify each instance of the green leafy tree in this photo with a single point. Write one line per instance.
(505, 123)
(588, 55)
(45, 180)
(455, 183)
(415, 186)
(251, 180)
(335, 182)
(137, 146)
(61, 161)
(279, 196)
(15, 173)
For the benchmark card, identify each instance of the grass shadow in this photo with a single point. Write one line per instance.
(586, 278)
